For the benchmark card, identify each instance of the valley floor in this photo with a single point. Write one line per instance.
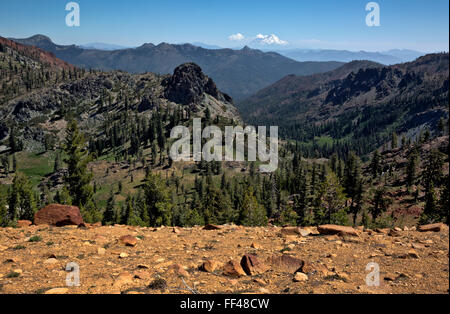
(167, 260)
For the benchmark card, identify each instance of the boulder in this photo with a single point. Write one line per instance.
(58, 215)
(252, 266)
(23, 223)
(128, 240)
(211, 227)
(286, 263)
(210, 266)
(335, 229)
(233, 269)
(432, 227)
(295, 231)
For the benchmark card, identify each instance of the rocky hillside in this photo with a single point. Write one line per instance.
(231, 259)
(44, 99)
(360, 102)
(240, 73)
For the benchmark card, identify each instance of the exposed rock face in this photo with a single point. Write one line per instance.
(188, 85)
(58, 215)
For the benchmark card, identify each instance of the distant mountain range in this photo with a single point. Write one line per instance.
(239, 73)
(102, 46)
(387, 57)
(361, 101)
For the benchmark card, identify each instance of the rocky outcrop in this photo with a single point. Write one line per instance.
(188, 85)
(58, 215)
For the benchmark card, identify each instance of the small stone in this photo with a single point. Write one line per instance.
(51, 261)
(299, 277)
(128, 240)
(179, 270)
(101, 251)
(413, 254)
(210, 266)
(255, 245)
(123, 255)
(57, 291)
(123, 279)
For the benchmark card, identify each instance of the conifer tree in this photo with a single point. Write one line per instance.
(109, 215)
(22, 204)
(252, 213)
(78, 179)
(157, 201)
(3, 211)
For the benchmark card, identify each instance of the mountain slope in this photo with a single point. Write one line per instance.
(38, 98)
(356, 106)
(239, 73)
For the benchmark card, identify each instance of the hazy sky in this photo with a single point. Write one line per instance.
(413, 24)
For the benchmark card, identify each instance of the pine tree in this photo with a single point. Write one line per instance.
(444, 204)
(411, 168)
(431, 211)
(22, 204)
(433, 169)
(109, 216)
(380, 202)
(330, 202)
(394, 140)
(375, 164)
(157, 200)
(78, 179)
(252, 214)
(353, 184)
(3, 211)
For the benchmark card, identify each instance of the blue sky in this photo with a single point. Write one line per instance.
(409, 24)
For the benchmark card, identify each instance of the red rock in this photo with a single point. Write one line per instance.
(432, 227)
(23, 223)
(252, 266)
(210, 266)
(335, 229)
(128, 240)
(233, 269)
(211, 227)
(58, 215)
(286, 263)
(382, 230)
(179, 270)
(394, 233)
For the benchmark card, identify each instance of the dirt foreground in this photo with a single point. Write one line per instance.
(33, 260)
